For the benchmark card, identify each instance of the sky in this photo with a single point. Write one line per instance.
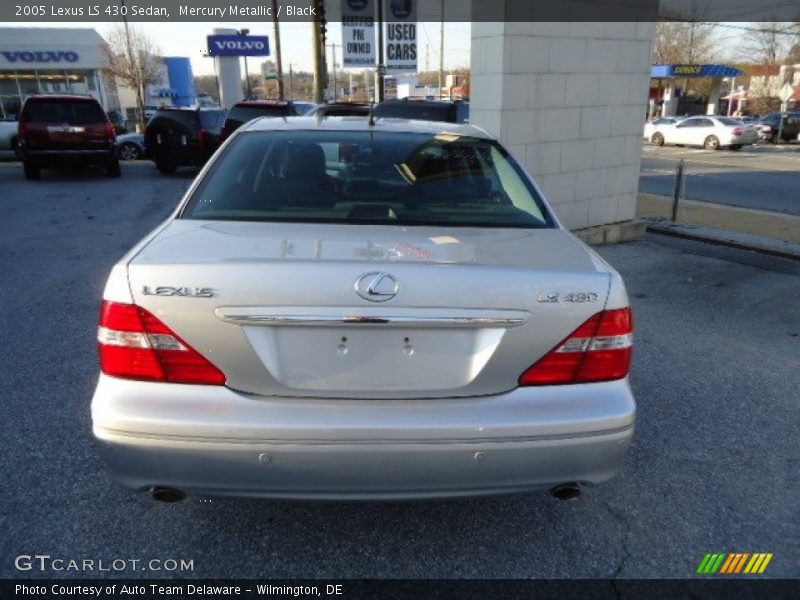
(189, 39)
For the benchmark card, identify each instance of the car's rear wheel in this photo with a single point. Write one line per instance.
(775, 139)
(32, 171)
(166, 167)
(15, 147)
(113, 169)
(657, 139)
(711, 143)
(129, 151)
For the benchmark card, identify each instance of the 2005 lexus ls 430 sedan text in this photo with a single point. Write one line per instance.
(343, 308)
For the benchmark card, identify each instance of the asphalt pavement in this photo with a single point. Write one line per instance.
(715, 465)
(762, 177)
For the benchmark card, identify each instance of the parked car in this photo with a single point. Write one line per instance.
(711, 132)
(130, 146)
(451, 111)
(769, 127)
(651, 126)
(303, 108)
(346, 309)
(8, 136)
(177, 137)
(243, 112)
(63, 130)
(342, 109)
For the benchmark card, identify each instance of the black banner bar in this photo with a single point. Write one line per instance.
(530, 589)
(220, 11)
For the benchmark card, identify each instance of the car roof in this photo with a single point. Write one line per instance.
(54, 97)
(362, 124)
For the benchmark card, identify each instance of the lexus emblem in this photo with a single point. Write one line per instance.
(377, 287)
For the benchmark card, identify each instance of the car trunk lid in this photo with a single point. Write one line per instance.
(284, 309)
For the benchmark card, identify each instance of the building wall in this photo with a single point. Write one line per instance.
(569, 100)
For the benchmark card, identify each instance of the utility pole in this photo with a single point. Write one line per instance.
(291, 82)
(319, 55)
(278, 62)
(380, 72)
(335, 80)
(441, 53)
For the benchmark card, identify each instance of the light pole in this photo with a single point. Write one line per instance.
(246, 74)
(278, 61)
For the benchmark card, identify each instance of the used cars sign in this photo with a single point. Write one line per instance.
(238, 45)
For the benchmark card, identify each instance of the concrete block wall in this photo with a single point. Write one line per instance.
(569, 100)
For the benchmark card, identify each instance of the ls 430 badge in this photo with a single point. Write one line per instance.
(187, 292)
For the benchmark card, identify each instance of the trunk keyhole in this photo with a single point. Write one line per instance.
(408, 349)
(341, 349)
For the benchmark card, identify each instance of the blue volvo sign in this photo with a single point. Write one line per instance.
(238, 45)
(53, 56)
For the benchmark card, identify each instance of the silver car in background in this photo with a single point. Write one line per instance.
(710, 132)
(347, 309)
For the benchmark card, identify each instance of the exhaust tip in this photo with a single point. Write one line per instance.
(165, 494)
(566, 491)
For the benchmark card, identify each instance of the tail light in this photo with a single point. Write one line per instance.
(738, 131)
(598, 350)
(111, 135)
(134, 344)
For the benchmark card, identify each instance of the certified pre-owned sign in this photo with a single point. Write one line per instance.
(238, 45)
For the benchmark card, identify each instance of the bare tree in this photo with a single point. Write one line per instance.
(684, 42)
(766, 43)
(132, 58)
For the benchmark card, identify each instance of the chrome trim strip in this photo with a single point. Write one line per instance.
(392, 321)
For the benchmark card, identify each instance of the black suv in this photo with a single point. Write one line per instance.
(177, 137)
(450, 111)
(341, 109)
(61, 131)
(246, 111)
(769, 124)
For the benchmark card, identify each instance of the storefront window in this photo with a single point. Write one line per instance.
(9, 106)
(27, 82)
(8, 84)
(53, 82)
(77, 83)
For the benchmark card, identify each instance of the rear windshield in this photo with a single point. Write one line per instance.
(212, 119)
(411, 110)
(367, 177)
(74, 112)
(729, 121)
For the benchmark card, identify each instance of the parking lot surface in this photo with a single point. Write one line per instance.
(715, 465)
(763, 177)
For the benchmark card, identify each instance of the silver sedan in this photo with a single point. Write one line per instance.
(341, 309)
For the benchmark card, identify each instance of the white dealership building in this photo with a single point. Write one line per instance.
(51, 60)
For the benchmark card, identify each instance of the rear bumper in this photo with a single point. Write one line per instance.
(70, 157)
(214, 441)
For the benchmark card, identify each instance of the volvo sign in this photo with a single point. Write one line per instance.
(238, 45)
(50, 56)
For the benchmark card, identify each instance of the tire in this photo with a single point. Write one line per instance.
(32, 170)
(736, 147)
(711, 143)
(129, 151)
(165, 167)
(113, 169)
(15, 147)
(775, 139)
(657, 139)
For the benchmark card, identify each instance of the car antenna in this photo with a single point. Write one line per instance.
(371, 115)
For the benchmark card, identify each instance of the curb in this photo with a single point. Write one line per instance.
(724, 237)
